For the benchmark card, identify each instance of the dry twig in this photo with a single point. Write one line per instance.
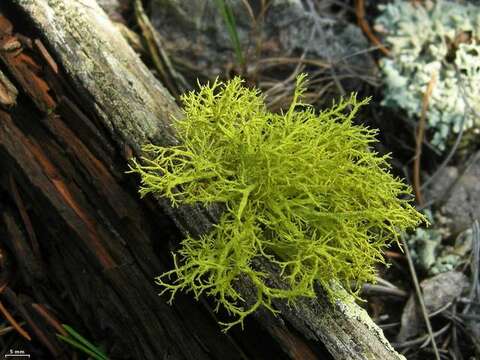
(175, 83)
(420, 298)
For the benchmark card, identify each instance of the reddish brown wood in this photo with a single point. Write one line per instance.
(25, 69)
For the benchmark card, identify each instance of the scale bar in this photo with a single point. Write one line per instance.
(17, 355)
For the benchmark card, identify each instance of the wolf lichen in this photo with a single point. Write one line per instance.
(302, 190)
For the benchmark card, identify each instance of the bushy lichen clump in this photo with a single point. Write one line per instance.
(434, 37)
(301, 190)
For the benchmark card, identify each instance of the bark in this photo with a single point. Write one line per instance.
(96, 104)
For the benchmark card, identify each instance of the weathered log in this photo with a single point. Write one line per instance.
(131, 108)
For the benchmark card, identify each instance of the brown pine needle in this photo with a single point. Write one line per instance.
(13, 322)
(363, 24)
(419, 140)
(41, 310)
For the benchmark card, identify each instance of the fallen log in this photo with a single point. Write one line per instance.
(100, 105)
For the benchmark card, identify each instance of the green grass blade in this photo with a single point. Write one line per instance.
(83, 348)
(84, 342)
(228, 17)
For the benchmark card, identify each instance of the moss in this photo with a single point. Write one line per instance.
(301, 190)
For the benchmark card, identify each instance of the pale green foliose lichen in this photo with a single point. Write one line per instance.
(301, 190)
(424, 39)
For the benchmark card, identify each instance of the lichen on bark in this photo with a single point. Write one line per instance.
(302, 190)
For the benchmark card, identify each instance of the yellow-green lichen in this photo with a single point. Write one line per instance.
(301, 189)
